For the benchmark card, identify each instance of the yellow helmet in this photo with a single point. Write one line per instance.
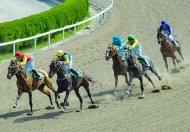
(59, 53)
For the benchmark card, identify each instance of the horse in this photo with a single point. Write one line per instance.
(67, 83)
(167, 49)
(117, 66)
(135, 70)
(30, 84)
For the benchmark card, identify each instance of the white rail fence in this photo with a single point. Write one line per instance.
(104, 7)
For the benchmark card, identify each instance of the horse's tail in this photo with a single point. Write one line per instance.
(90, 79)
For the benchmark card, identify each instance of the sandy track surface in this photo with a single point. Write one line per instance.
(164, 111)
(16, 9)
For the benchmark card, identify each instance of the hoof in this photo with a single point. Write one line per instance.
(141, 97)
(156, 91)
(63, 110)
(50, 107)
(166, 87)
(115, 92)
(128, 92)
(14, 106)
(77, 110)
(29, 113)
(93, 106)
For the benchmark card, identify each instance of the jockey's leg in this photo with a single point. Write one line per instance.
(173, 41)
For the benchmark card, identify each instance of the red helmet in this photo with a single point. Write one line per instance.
(18, 53)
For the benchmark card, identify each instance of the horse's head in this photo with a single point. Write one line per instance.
(127, 57)
(161, 36)
(12, 69)
(55, 67)
(110, 52)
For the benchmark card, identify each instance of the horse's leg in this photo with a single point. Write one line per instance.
(176, 59)
(78, 95)
(66, 98)
(173, 59)
(17, 99)
(30, 103)
(142, 87)
(86, 86)
(166, 62)
(126, 78)
(179, 51)
(50, 86)
(129, 84)
(116, 81)
(153, 70)
(156, 90)
(41, 89)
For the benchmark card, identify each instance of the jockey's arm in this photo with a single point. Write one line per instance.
(136, 43)
(169, 29)
(66, 57)
(23, 62)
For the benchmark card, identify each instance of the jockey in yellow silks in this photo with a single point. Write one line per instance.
(66, 60)
(133, 44)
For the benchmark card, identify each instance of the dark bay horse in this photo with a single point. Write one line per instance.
(66, 82)
(118, 67)
(135, 70)
(29, 84)
(167, 49)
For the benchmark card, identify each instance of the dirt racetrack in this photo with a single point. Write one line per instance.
(167, 111)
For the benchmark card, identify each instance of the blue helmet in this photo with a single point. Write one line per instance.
(115, 38)
(163, 22)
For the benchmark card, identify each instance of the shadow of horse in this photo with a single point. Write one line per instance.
(14, 114)
(167, 49)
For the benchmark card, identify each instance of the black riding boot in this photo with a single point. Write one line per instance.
(75, 73)
(174, 43)
(35, 74)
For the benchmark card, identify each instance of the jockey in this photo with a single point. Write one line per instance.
(135, 48)
(66, 60)
(118, 41)
(27, 63)
(167, 30)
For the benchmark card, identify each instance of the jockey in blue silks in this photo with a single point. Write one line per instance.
(167, 30)
(118, 41)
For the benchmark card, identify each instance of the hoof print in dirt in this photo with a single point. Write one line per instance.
(93, 106)
(77, 110)
(175, 70)
(62, 104)
(156, 91)
(166, 87)
(141, 97)
(182, 67)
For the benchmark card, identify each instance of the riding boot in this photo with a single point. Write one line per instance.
(36, 74)
(75, 73)
(175, 44)
(143, 62)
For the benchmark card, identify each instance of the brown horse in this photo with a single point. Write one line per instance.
(66, 82)
(118, 67)
(29, 84)
(167, 49)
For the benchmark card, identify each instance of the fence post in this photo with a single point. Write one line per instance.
(49, 40)
(14, 48)
(75, 31)
(84, 29)
(35, 46)
(63, 35)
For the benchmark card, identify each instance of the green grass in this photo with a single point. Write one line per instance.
(56, 38)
